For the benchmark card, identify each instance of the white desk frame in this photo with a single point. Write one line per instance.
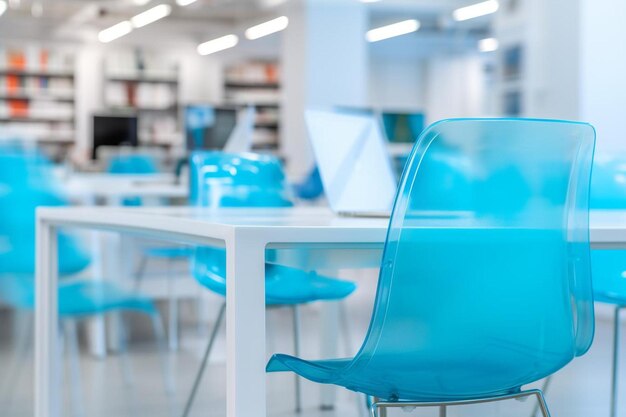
(245, 240)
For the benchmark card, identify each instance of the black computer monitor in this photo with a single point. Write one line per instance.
(208, 127)
(403, 127)
(117, 130)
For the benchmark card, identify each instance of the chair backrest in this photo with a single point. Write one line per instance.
(487, 288)
(608, 192)
(219, 179)
(25, 184)
(132, 164)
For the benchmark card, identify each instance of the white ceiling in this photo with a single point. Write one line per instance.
(81, 20)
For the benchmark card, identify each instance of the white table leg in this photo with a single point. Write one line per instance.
(47, 402)
(245, 328)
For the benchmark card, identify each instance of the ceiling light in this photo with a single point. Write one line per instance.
(219, 44)
(184, 3)
(3, 7)
(140, 2)
(393, 30)
(488, 45)
(475, 10)
(267, 28)
(115, 31)
(151, 15)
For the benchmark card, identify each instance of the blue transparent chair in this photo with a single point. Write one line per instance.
(311, 188)
(476, 301)
(608, 192)
(249, 180)
(25, 184)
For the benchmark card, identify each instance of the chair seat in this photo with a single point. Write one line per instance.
(283, 285)
(433, 380)
(76, 298)
(173, 252)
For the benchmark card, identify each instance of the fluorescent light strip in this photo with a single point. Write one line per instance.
(3, 7)
(151, 15)
(267, 28)
(475, 10)
(488, 45)
(115, 31)
(184, 3)
(393, 30)
(219, 44)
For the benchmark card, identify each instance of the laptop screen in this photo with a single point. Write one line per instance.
(352, 159)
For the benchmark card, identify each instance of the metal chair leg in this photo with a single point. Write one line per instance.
(172, 310)
(542, 404)
(295, 309)
(124, 361)
(443, 411)
(21, 350)
(205, 359)
(159, 334)
(615, 373)
(546, 384)
(141, 269)
(71, 336)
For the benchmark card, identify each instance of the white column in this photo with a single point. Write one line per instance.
(324, 63)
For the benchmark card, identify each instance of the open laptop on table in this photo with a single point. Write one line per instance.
(353, 161)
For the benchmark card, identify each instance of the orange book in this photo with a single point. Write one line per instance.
(13, 83)
(43, 59)
(16, 60)
(18, 108)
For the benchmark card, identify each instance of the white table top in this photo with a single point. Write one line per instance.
(298, 224)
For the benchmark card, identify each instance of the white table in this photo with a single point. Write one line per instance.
(246, 234)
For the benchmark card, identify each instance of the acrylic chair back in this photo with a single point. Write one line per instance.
(486, 287)
(608, 192)
(219, 179)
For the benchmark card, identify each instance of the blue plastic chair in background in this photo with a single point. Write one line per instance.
(476, 303)
(608, 191)
(249, 180)
(311, 188)
(26, 184)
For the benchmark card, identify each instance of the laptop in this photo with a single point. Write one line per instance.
(353, 162)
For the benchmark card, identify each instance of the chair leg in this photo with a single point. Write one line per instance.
(615, 373)
(172, 309)
(345, 328)
(295, 309)
(443, 411)
(21, 350)
(546, 384)
(159, 334)
(124, 361)
(542, 404)
(141, 269)
(205, 359)
(71, 337)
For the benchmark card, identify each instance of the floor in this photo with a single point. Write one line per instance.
(581, 389)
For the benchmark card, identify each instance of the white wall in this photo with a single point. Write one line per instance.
(397, 83)
(455, 87)
(603, 71)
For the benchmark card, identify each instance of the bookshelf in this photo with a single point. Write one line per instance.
(147, 85)
(257, 83)
(37, 95)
